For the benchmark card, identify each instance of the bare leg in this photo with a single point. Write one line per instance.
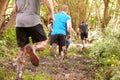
(31, 51)
(62, 54)
(40, 45)
(53, 50)
(83, 43)
(60, 49)
(86, 41)
(20, 63)
(64, 50)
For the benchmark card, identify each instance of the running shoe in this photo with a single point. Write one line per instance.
(33, 57)
(19, 75)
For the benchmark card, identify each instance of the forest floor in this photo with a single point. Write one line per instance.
(73, 67)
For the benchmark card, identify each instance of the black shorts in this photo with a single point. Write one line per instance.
(84, 35)
(36, 33)
(58, 39)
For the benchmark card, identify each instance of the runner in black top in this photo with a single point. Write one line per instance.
(83, 28)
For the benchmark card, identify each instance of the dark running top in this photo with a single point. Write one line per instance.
(83, 27)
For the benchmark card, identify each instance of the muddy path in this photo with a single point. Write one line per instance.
(73, 67)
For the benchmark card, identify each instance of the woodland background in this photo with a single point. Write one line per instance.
(103, 19)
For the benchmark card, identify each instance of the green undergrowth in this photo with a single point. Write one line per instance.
(8, 49)
(6, 73)
(9, 74)
(37, 76)
(106, 51)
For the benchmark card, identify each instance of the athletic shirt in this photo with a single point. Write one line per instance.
(28, 13)
(83, 27)
(60, 23)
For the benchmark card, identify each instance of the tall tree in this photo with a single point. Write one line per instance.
(7, 19)
(106, 15)
(78, 10)
(3, 7)
(117, 17)
(96, 12)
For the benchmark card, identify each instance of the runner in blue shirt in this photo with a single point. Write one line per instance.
(60, 27)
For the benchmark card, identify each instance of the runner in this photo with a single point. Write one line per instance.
(61, 24)
(28, 24)
(83, 28)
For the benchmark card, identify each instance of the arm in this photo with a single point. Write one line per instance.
(72, 30)
(49, 27)
(15, 9)
(50, 23)
(69, 25)
(49, 5)
(87, 28)
(79, 29)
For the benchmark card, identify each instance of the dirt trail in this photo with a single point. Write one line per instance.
(74, 67)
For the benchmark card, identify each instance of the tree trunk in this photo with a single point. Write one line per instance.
(3, 7)
(119, 2)
(10, 22)
(117, 17)
(106, 16)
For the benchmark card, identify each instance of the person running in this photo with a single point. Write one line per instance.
(28, 24)
(49, 25)
(68, 41)
(68, 38)
(61, 25)
(83, 28)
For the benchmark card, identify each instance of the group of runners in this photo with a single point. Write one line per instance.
(28, 24)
